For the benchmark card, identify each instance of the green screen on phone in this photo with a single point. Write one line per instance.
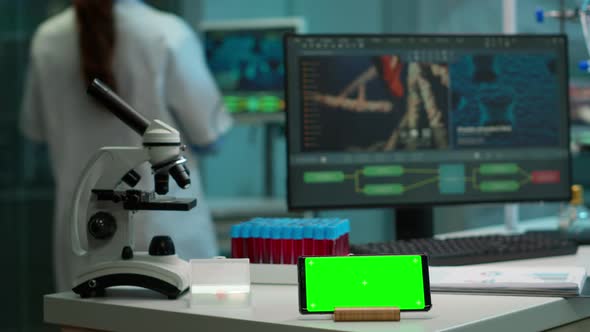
(364, 281)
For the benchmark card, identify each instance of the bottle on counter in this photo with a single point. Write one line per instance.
(575, 214)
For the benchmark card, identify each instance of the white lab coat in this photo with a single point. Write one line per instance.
(160, 70)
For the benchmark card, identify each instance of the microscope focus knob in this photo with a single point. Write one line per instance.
(132, 178)
(102, 225)
(161, 245)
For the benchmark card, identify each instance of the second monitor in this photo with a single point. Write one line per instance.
(246, 59)
(402, 121)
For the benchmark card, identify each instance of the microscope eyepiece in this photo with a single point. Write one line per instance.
(181, 175)
(118, 106)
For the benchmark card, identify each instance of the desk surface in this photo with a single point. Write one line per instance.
(275, 307)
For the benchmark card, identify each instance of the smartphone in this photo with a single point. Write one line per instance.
(332, 282)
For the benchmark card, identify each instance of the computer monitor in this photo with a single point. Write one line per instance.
(414, 121)
(246, 59)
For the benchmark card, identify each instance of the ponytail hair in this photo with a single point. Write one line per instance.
(96, 30)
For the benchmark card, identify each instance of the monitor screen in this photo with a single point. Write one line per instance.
(388, 120)
(246, 59)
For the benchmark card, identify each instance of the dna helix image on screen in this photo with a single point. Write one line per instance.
(475, 101)
(404, 104)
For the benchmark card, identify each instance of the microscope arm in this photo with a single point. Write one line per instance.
(104, 171)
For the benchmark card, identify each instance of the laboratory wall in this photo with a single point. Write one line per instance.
(237, 169)
(26, 188)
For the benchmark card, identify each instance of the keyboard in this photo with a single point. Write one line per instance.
(475, 249)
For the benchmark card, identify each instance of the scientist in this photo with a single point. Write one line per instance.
(154, 61)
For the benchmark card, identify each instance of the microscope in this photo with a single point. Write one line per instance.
(102, 215)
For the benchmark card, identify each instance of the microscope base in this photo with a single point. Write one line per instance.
(100, 284)
(168, 275)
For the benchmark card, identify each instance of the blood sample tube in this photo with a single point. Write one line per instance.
(331, 236)
(331, 239)
(340, 239)
(308, 240)
(275, 244)
(287, 244)
(246, 232)
(319, 237)
(237, 245)
(265, 237)
(297, 242)
(256, 242)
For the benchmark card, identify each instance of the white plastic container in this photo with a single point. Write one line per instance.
(220, 281)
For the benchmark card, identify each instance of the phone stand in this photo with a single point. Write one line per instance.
(366, 314)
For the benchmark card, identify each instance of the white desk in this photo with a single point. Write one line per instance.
(275, 308)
